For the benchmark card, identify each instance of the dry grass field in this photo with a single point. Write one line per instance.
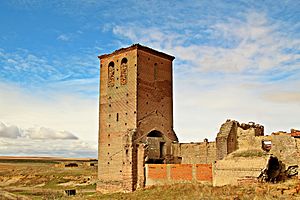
(44, 179)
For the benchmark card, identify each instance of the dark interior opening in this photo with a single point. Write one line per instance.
(111, 64)
(154, 134)
(161, 149)
(124, 61)
(155, 161)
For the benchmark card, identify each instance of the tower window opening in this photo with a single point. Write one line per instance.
(117, 117)
(111, 74)
(124, 61)
(124, 71)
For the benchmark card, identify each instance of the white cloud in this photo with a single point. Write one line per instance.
(13, 131)
(29, 69)
(200, 107)
(40, 109)
(253, 44)
(47, 133)
(54, 148)
(247, 71)
(55, 108)
(64, 37)
(9, 131)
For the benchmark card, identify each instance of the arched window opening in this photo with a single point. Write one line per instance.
(156, 153)
(111, 74)
(155, 134)
(124, 61)
(123, 68)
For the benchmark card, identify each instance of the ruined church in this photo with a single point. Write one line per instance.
(138, 146)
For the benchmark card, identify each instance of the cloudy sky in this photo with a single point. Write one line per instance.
(236, 60)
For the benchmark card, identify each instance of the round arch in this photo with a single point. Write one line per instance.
(155, 133)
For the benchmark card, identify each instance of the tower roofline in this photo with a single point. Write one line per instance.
(139, 47)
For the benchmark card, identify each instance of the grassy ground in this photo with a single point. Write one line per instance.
(43, 180)
(34, 180)
(199, 191)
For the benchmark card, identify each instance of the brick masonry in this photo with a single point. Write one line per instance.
(173, 173)
(193, 153)
(136, 131)
(135, 101)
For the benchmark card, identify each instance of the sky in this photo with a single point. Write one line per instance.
(234, 60)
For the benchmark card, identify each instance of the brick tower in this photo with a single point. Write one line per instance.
(136, 116)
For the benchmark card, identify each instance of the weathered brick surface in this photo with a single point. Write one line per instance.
(204, 172)
(192, 153)
(181, 172)
(157, 171)
(230, 132)
(173, 173)
(232, 170)
(141, 165)
(135, 99)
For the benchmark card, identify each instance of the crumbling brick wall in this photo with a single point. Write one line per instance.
(226, 139)
(233, 136)
(192, 153)
(229, 171)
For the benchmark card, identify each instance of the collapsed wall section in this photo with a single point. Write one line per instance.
(233, 136)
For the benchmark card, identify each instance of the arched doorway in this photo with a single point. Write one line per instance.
(156, 147)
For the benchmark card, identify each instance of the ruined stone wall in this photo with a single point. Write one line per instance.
(285, 147)
(223, 139)
(233, 136)
(192, 153)
(229, 171)
(241, 165)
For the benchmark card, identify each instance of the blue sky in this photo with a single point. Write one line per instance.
(234, 59)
